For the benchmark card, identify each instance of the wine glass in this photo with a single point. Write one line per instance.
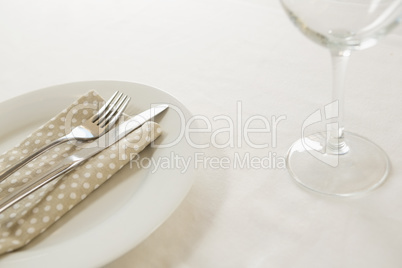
(336, 162)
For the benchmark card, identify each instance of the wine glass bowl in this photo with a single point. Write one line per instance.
(336, 162)
(346, 24)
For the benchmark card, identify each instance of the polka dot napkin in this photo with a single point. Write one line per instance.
(31, 216)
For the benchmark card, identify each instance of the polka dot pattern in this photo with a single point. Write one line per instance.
(34, 214)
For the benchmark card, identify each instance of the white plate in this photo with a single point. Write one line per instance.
(122, 212)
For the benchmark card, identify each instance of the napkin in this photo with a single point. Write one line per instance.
(31, 216)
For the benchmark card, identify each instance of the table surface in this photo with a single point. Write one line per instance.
(225, 58)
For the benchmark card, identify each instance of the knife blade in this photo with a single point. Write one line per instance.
(86, 152)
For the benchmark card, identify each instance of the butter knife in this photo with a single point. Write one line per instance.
(90, 149)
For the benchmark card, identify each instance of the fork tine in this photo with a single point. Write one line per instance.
(110, 109)
(116, 114)
(103, 108)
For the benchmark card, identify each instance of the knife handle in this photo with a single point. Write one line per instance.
(4, 174)
(26, 190)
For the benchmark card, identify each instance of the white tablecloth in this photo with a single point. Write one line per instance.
(216, 56)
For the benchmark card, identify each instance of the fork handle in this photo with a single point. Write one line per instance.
(59, 170)
(10, 170)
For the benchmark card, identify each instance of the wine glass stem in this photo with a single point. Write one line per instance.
(335, 111)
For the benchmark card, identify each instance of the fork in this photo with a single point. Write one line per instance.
(93, 128)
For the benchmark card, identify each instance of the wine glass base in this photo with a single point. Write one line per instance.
(363, 168)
